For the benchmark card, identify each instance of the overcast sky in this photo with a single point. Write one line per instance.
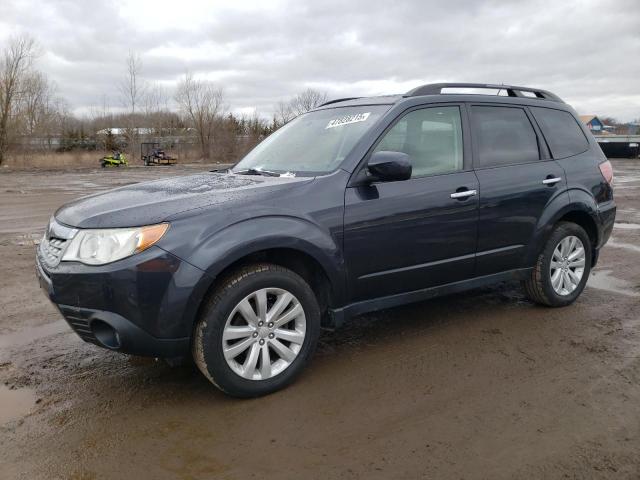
(260, 52)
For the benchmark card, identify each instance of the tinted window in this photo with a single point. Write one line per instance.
(564, 135)
(432, 137)
(504, 136)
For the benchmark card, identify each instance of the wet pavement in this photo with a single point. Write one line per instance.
(476, 385)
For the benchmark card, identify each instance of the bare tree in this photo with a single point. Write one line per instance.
(100, 121)
(284, 113)
(201, 102)
(16, 62)
(156, 109)
(132, 89)
(301, 103)
(37, 108)
(307, 100)
(62, 116)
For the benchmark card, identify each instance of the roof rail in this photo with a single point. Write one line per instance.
(512, 91)
(338, 100)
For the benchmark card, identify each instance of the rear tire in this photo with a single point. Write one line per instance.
(258, 330)
(562, 268)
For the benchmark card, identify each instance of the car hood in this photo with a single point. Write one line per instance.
(153, 202)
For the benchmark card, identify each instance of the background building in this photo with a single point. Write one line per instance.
(593, 123)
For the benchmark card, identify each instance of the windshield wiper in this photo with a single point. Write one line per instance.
(256, 171)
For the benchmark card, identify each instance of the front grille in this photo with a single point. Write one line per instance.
(78, 324)
(55, 242)
(51, 250)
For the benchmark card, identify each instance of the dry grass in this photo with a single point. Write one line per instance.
(72, 160)
(49, 161)
(30, 160)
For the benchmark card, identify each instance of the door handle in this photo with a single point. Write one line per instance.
(551, 180)
(464, 194)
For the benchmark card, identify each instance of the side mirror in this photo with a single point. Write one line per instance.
(389, 166)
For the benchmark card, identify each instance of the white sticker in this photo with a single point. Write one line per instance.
(347, 119)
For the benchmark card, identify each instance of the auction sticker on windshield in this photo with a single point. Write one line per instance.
(347, 119)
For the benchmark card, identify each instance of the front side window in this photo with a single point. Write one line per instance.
(313, 143)
(432, 137)
(564, 136)
(504, 136)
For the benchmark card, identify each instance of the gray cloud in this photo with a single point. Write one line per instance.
(259, 52)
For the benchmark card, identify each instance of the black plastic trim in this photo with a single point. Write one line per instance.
(340, 315)
(132, 339)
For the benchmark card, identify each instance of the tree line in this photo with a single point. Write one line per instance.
(33, 115)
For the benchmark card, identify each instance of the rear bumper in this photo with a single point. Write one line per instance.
(143, 305)
(606, 219)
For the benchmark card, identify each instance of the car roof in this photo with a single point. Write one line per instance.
(432, 93)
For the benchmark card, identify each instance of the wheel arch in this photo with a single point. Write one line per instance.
(294, 243)
(296, 260)
(577, 207)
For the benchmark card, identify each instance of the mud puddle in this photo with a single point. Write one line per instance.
(27, 335)
(626, 246)
(627, 179)
(627, 226)
(602, 280)
(16, 403)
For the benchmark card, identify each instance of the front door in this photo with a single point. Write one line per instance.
(409, 235)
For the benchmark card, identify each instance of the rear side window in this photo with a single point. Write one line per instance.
(504, 136)
(564, 136)
(432, 137)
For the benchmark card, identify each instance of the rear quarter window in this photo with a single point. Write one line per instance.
(562, 132)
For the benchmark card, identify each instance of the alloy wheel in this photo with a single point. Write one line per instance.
(567, 265)
(264, 333)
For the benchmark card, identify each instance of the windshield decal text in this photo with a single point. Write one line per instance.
(347, 119)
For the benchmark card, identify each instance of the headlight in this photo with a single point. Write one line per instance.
(97, 247)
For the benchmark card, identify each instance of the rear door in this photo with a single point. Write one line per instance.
(517, 180)
(417, 233)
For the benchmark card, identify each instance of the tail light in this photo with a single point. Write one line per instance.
(607, 171)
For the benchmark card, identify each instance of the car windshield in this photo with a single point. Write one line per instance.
(313, 143)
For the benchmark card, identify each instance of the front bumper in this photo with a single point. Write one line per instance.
(145, 304)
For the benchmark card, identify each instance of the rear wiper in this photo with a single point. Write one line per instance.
(256, 171)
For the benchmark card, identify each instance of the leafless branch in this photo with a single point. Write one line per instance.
(201, 103)
(16, 62)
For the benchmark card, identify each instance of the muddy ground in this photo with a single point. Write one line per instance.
(481, 385)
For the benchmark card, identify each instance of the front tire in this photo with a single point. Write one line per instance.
(562, 269)
(257, 331)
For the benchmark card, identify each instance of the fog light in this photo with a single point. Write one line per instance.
(105, 334)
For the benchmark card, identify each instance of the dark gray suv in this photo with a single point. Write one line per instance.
(359, 205)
